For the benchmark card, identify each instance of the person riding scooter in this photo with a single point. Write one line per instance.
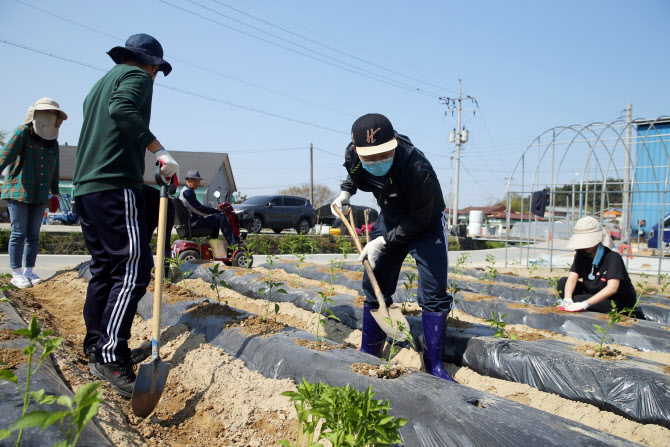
(203, 216)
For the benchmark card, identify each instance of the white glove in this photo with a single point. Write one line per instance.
(566, 302)
(372, 250)
(169, 166)
(576, 307)
(342, 202)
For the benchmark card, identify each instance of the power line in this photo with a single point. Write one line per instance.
(360, 72)
(329, 47)
(289, 184)
(295, 98)
(277, 92)
(474, 179)
(327, 152)
(187, 92)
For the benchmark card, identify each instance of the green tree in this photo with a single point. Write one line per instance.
(323, 195)
(515, 202)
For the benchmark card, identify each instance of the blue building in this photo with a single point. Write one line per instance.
(650, 199)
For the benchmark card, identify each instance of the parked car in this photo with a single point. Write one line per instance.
(276, 212)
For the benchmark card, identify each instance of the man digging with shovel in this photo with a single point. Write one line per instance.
(411, 222)
(108, 175)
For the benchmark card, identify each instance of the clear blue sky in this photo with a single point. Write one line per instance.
(531, 65)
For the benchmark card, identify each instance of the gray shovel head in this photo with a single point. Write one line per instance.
(149, 386)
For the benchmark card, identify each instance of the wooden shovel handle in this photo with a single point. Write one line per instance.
(367, 229)
(366, 263)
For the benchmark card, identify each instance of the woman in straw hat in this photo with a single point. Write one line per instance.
(602, 271)
(31, 159)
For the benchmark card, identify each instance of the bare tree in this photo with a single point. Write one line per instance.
(323, 195)
(240, 198)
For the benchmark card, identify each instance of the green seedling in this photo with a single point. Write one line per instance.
(491, 273)
(345, 247)
(529, 286)
(176, 263)
(453, 289)
(498, 323)
(35, 337)
(410, 282)
(643, 289)
(322, 319)
(271, 288)
(409, 259)
(400, 329)
(71, 422)
(301, 260)
(78, 411)
(5, 287)
(347, 417)
(615, 317)
(331, 271)
(552, 281)
(216, 274)
(461, 260)
(665, 283)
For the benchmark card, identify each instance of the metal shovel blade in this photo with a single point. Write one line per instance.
(149, 386)
(396, 316)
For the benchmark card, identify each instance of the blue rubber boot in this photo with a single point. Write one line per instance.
(434, 327)
(373, 336)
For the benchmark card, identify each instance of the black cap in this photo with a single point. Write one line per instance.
(373, 134)
(145, 49)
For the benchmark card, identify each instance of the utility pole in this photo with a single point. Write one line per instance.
(459, 136)
(311, 173)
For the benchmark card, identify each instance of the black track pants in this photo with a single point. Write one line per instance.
(114, 227)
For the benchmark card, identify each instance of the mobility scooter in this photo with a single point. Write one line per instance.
(214, 249)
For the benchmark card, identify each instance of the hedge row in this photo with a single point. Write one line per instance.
(73, 243)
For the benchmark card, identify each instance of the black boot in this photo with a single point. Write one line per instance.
(434, 328)
(373, 336)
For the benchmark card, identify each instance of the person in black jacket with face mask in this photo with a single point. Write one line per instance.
(411, 221)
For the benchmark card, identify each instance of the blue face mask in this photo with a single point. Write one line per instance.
(378, 168)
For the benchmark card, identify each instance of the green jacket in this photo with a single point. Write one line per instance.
(115, 132)
(32, 167)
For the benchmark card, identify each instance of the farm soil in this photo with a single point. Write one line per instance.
(212, 399)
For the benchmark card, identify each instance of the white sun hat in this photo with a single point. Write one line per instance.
(45, 104)
(588, 233)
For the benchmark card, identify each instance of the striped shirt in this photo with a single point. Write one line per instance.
(32, 167)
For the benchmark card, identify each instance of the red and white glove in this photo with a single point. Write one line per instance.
(372, 250)
(575, 307)
(169, 166)
(565, 302)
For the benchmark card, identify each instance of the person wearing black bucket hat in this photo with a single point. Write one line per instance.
(108, 176)
(411, 221)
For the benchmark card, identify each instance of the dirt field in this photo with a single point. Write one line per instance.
(212, 399)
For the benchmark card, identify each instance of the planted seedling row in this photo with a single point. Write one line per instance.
(547, 374)
(438, 413)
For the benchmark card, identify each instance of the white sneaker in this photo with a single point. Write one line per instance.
(21, 281)
(34, 279)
